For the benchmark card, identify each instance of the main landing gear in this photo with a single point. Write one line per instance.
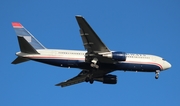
(90, 80)
(157, 74)
(93, 64)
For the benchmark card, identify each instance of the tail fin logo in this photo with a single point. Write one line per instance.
(17, 25)
(28, 38)
(23, 32)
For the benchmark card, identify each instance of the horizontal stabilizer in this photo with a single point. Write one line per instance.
(19, 60)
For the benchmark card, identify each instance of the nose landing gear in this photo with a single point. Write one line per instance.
(157, 74)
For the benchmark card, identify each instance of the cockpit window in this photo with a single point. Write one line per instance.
(164, 59)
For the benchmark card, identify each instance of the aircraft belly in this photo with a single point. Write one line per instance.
(82, 65)
(74, 64)
(138, 67)
(61, 62)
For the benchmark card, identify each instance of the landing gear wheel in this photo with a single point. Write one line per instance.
(156, 77)
(87, 79)
(91, 81)
(157, 74)
(94, 65)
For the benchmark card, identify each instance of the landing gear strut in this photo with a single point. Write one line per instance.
(93, 64)
(90, 80)
(157, 74)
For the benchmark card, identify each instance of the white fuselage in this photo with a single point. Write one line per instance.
(70, 58)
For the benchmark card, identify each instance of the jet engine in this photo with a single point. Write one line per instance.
(119, 56)
(108, 79)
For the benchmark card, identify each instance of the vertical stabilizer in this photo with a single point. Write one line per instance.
(27, 42)
(24, 34)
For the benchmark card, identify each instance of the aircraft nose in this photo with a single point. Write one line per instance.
(167, 65)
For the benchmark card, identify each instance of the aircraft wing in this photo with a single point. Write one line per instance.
(91, 41)
(75, 80)
(81, 77)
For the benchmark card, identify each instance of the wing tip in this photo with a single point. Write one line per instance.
(59, 85)
(79, 16)
(17, 25)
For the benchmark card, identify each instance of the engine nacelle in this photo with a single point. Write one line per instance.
(108, 79)
(120, 56)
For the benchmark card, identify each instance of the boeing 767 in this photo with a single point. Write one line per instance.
(96, 63)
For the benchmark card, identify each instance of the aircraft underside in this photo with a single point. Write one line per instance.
(125, 66)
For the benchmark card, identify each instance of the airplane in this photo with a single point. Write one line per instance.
(96, 62)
